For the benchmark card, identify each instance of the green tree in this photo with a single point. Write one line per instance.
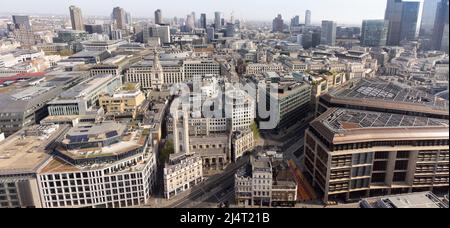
(255, 130)
(168, 149)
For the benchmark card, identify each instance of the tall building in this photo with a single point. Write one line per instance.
(428, 17)
(394, 16)
(354, 154)
(190, 23)
(76, 18)
(203, 22)
(410, 20)
(374, 33)
(23, 21)
(403, 20)
(440, 30)
(278, 24)
(119, 16)
(308, 18)
(217, 21)
(328, 35)
(128, 18)
(194, 17)
(158, 17)
(295, 21)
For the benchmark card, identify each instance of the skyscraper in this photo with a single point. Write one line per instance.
(428, 17)
(328, 35)
(76, 18)
(190, 25)
(308, 18)
(118, 16)
(403, 17)
(217, 21)
(410, 20)
(440, 30)
(194, 18)
(22, 21)
(158, 17)
(394, 16)
(374, 33)
(295, 21)
(278, 24)
(128, 18)
(203, 22)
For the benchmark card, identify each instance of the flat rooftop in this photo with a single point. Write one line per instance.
(338, 126)
(84, 88)
(414, 200)
(389, 92)
(22, 153)
(348, 119)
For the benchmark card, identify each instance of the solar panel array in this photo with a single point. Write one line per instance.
(79, 138)
(388, 91)
(364, 119)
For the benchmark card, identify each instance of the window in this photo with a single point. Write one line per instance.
(401, 165)
(380, 166)
(400, 177)
(378, 177)
(403, 154)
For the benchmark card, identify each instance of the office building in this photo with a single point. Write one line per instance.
(83, 99)
(328, 34)
(22, 155)
(158, 17)
(374, 33)
(93, 28)
(440, 30)
(403, 17)
(240, 108)
(428, 18)
(24, 21)
(25, 104)
(278, 24)
(265, 181)
(242, 142)
(190, 23)
(182, 173)
(119, 17)
(293, 101)
(295, 21)
(355, 154)
(410, 21)
(76, 18)
(217, 21)
(124, 102)
(308, 18)
(261, 68)
(101, 165)
(393, 14)
(99, 46)
(203, 21)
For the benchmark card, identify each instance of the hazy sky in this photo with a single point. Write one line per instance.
(343, 11)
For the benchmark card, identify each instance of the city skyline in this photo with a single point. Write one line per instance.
(351, 12)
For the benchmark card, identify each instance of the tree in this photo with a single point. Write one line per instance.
(255, 130)
(168, 149)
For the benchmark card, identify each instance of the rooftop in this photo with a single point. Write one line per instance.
(389, 93)
(415, 200)
(345, 125)
(86, 87)
(25, 151)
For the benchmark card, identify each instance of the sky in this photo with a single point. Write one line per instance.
(342, 11)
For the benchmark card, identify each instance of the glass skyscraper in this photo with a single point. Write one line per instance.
(374, 33)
